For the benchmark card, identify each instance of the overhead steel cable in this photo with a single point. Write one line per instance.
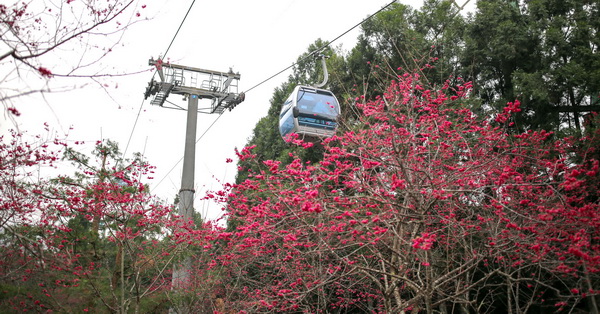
(181, 159)
(321, 48)
(179, 28)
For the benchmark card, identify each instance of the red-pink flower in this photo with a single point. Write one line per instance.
(425, 241)
(45, 72)
(14, 111)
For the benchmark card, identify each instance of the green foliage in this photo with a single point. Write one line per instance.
(545, 53)
(498, 43)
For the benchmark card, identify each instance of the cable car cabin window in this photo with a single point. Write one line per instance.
(286, 124)
(320, 103)
(285, 107)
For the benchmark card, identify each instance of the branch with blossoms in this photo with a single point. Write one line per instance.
(59, 39)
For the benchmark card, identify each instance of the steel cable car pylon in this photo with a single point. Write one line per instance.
(195, 84)
(310, 111)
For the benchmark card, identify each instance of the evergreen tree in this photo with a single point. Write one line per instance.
(542, 52)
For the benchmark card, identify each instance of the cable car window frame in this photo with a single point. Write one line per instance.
(284, 110)
(287, 124)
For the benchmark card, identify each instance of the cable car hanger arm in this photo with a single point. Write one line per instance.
(325, 74)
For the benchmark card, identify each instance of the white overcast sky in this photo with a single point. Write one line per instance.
(255, 38)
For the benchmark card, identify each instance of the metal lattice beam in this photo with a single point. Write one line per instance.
(220, 87)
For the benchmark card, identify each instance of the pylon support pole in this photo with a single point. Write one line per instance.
(186, 194)
(182, 274)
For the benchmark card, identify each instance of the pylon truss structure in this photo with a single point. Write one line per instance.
(220, 87)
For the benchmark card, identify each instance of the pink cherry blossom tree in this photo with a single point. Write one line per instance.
(93, 240)
(421, 206)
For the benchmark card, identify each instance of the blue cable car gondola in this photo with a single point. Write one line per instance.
(310, 112)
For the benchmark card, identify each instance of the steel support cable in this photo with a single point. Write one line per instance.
(321, 48)
(180, 159)
(179, 28)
